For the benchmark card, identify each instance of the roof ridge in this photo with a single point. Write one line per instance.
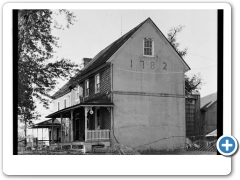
(102, 56)
(94, 58)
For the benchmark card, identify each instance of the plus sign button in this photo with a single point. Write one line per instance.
(227, 145)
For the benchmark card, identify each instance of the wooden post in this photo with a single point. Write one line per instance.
(71, 132)
(42, 137)
(32, 137)
(61, 131)
(52, 131)
(86, 111)
(37, 139)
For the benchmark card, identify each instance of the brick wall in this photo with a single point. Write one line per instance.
(105, 120)
(105, 86)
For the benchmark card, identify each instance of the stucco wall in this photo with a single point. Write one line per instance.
(167, 76)
(145, 120)
(149, 102)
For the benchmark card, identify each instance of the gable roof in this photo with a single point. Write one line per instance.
(98, 60)
(104, 55)
(66, 88)
(207, 101)
(171, 45)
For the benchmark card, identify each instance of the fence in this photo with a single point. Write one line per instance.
(194, 145)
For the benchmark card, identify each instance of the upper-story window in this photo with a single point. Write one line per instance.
(148, 47)
(65, 103)
(97, 83)
(69, 100)
(58, 105)
(77, 93)
(87, 88)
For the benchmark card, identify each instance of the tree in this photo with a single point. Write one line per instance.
(191, 83)
(37, 73)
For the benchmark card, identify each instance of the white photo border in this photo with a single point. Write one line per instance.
(111, 165)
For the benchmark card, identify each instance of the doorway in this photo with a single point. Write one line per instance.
(79, 125)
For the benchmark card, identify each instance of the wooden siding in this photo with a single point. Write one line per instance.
(105, 86)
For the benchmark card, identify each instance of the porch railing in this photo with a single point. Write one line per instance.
(98, 135)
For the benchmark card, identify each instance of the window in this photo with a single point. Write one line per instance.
(87, 88)
(77, 93)
(148, 47)
(97, 83)
(58, 106)
(69, 100)
(65, 103)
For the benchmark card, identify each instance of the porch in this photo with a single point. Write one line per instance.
(84, 126)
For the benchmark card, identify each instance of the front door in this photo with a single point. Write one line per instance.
(79, 125)
(82, 124)
(77, 129)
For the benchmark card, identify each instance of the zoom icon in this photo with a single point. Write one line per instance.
(227, 145)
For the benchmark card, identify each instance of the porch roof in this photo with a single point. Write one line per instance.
(46, 124)
(84, 104)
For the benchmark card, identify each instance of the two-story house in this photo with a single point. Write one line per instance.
(132, 93)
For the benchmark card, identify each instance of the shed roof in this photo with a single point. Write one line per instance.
(96, 103)
(208, 100)
(213, 133)
(46, 124)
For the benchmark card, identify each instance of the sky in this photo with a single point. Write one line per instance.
(96, 29)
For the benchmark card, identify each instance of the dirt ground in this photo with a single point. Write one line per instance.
(74, 152)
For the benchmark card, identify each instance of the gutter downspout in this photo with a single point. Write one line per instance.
(112, 116)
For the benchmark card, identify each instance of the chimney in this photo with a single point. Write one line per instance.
(86, 61)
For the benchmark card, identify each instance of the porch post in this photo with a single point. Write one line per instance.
(86, 111)
(37, 139)
(71, 126)
(61, 131)
(42, 137)
(32, 137)
(52, 131)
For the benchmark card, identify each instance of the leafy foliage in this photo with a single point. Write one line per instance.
(37, 74)
(172, 38)
(191, 83)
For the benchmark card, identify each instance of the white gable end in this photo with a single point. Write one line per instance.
(163, 72)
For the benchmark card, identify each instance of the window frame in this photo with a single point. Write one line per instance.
(65, 103)
(58, 105)
(77, 94)
(69, 100)
(95, 82)
(152, 48)
(85, 88)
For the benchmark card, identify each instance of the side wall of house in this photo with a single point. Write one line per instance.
(105, 85)
(148, 95)
(71, 98)
(210, 119)
(66, 124)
